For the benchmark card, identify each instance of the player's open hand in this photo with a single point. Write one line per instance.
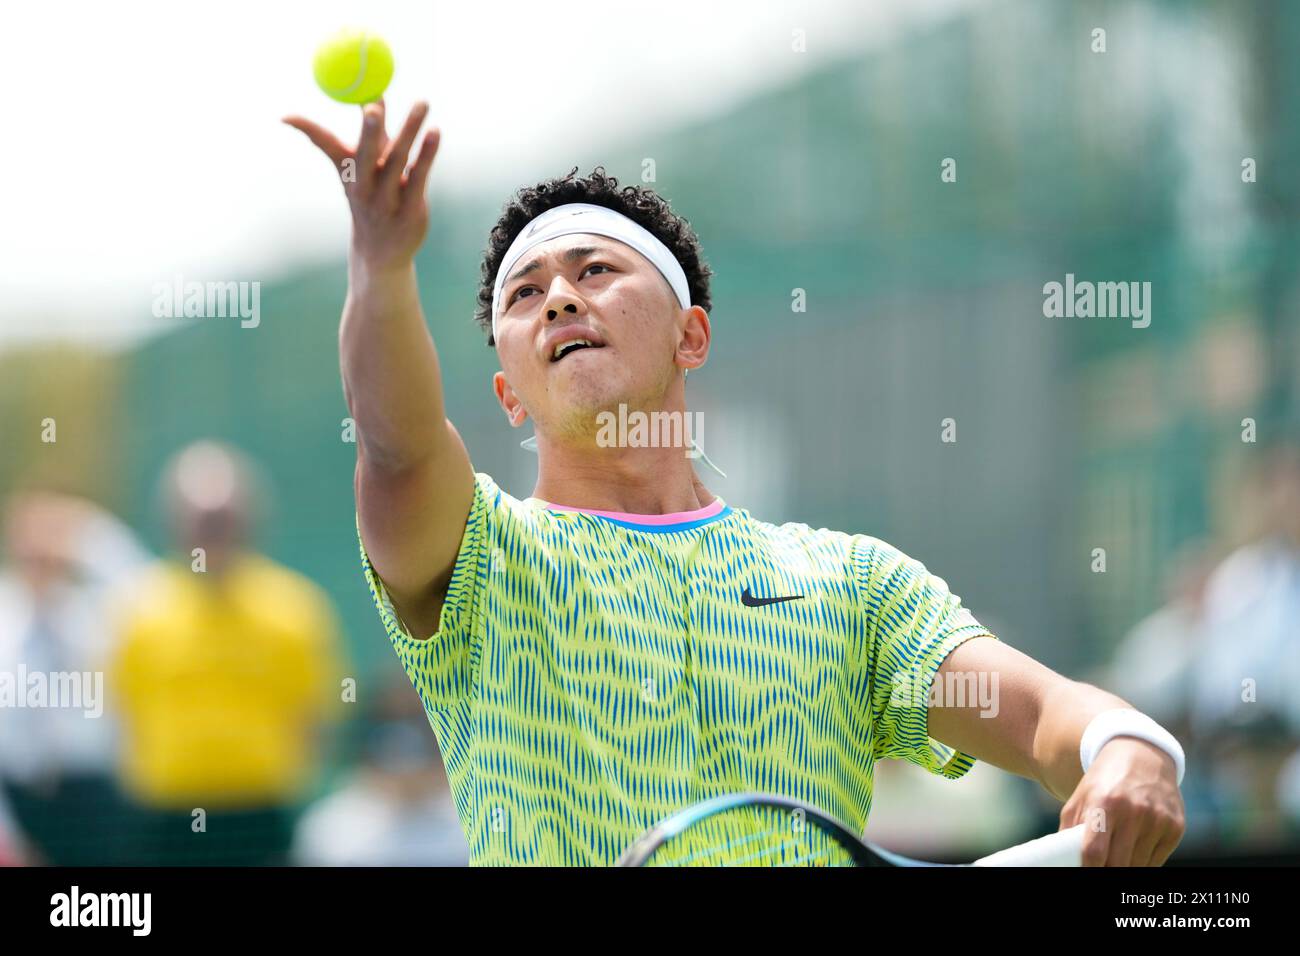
(1130, 806)
(389, 211)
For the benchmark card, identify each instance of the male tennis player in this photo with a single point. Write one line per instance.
(622, 643)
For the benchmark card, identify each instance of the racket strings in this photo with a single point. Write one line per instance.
(752, 837)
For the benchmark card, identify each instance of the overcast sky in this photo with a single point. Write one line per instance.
(150, 143)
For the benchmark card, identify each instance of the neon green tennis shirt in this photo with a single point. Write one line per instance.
(594, 672)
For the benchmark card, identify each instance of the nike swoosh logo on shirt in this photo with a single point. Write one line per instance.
(749, 600)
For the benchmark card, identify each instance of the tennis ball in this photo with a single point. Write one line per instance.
(353, 66)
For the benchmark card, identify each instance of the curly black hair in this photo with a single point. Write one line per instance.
(642, 205)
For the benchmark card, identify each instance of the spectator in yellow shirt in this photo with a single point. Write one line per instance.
(225, 671)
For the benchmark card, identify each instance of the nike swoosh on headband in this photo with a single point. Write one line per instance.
(537, 225)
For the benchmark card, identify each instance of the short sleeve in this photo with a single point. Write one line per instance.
(442, 668)
(915, 622)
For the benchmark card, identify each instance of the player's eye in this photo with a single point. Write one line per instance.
(519, 293)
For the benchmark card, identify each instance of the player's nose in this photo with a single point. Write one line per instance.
(562, 299)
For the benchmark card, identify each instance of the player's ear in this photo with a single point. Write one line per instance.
(516, 414)
(693, 343)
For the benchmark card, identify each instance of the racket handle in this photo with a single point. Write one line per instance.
(1064, 848)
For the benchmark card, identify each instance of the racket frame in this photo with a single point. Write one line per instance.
(643, 849)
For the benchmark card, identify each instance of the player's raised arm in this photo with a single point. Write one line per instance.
(414, 484)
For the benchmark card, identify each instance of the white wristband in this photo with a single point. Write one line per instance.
(1124, 722)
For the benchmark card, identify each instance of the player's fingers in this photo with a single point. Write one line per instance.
(394, 158)
(1096, 844)
(1074, 812)
(1145, 846)
(372, 131)
(1165, 848)
(1120, 850)
(323, 139)
(383, 125)
(419, 173)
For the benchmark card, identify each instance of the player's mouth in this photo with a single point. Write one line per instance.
(568, 348)
(565, 343)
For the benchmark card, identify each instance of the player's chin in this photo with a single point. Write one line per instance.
(585, 376)
(586, 394)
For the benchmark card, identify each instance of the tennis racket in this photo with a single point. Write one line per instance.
(760, 829)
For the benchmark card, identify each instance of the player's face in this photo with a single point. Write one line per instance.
(586, 322)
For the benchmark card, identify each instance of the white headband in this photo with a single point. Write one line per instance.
(600, 221)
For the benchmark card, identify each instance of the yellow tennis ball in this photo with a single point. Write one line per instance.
(353, 66)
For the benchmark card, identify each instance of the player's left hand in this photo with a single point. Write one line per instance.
(1129, 804)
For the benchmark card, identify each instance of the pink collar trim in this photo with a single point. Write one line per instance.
(677, 517)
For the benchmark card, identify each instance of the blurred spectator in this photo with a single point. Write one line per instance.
(63, 554)
(1246, 711)
(1153, 667)
(1253, 606)
(396, 810)
(225, 672)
